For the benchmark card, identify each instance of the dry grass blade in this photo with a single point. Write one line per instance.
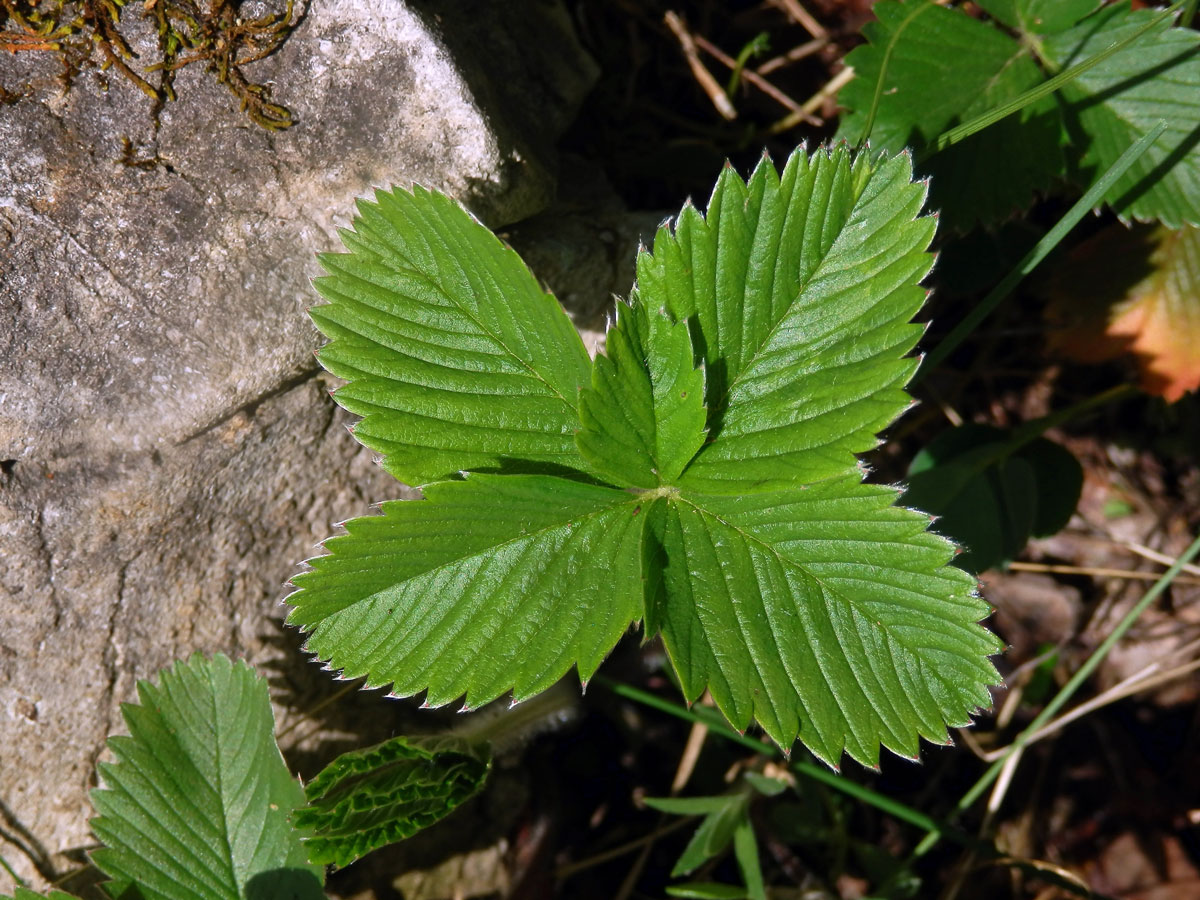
(1095, 572)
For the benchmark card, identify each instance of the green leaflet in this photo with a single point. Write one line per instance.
(496, 583)
(643, 419)
(1039, 16)
(823, 612)
(941, 68)
(800, 287)
(366, 799)
(992, 490)
(456, 358)
(196, 806)
(762, 348)
(26, 894)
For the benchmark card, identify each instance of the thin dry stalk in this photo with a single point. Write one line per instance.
(703, 77)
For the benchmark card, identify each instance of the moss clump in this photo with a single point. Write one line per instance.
(211, 32)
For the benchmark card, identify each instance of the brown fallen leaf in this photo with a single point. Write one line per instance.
(1137, 292)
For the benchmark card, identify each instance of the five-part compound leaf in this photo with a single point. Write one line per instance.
(366, 799)
(712, 490)
(197, 805)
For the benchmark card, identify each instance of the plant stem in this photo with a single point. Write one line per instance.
(1039, 252)
(506, 728)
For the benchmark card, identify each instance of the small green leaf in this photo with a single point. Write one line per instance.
(494, 583)
(23, 893)
(643, 417)
(721, 817)
(456, 358)
(1111, 105)
(1039, 16)
(366, 799)
(765, 785)
(992, 491)
(197, 805)
(745, 851)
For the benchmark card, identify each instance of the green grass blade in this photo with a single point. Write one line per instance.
(1039, 252)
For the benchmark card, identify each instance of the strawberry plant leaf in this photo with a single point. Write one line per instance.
(643, 417)
(23, 893)
(799, 289)
(1111, 105)
(456, 358)
(366, 799)
(197, 804)
(914, 44)
(494, 583)
(822, 612)
(738, 527)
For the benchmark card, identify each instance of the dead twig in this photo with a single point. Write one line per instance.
(802, 17)
(797, 53)
(1096, 572)
(792, 119)
(703, 77)
(755, 79)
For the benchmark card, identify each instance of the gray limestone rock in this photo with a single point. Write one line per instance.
(167, 450)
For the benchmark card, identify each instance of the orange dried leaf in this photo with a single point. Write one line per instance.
(1136, 292)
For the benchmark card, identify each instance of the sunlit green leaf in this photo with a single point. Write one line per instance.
(496, 583)
(764, 346)
(456, 358)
